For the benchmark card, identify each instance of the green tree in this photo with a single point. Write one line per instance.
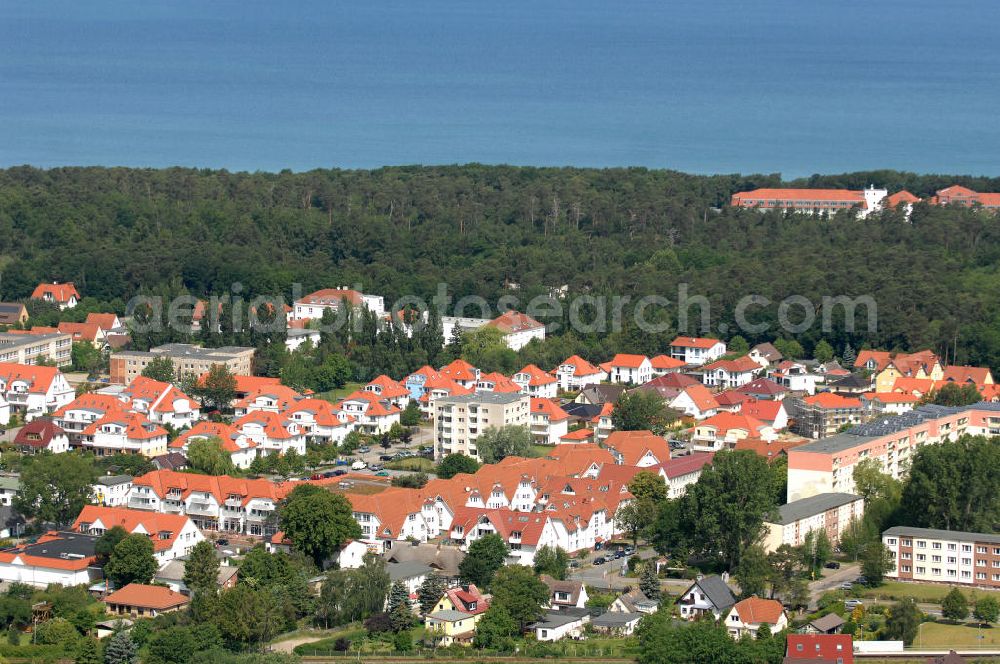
(636, 516)
(641, 410)
(430, 591)
(173, 645)
(649, 583)
(727, 506)
(986, 610)
(647, 485)
(953, 394)
(160, 368)
(789, 348)
(872, 483)
(201, 571)
(88, 652)
(207, 456)
(106, 543)
(485, 556)
(218, 389)
(57, 632)
(815, 550)
(754, 572)
(876, 562)
(246, 617)
(401, 617)
(318, 522)
(369, 586)
(411, 415)
(55, 487)
(955, 606)
(663, 641)
(903, 622)
(496, 629)
(497, 443)
(486, 348)
(456, 463)
(131, 561)
(738, 346)
(552, 560)
(854, 538)
(823, 351)
(87, 358)
(517, 589)
(121, 649)
(398, 594)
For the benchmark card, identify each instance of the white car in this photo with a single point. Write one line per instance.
(359, 465)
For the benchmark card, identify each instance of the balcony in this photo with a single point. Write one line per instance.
(140, 503)
(202, 509)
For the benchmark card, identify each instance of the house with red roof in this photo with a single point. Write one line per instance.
(518, 329)
(820, 648)
(173, 535)
(144, 601)
(106, 322)
(41, 435)
(888, 403)
(535, 382)
(772, 413)
(161, 402)
(964, 375)
(271, 433)
(682, 471)
(395, 515)
(627, 369)
(320, 420)
(389, 390)
(724, 429)
(578, 437)
(498, 383)
(241, 449)
(121, 432)
(749, 615)
(764, 388)
(638, 448)
(32, 390)
(84, 411)
(314, 304)
(453, 619)
(85, 333)
(65, 295)
(64, 558)
(549, 423)
(812, 201)
(371, 413)
(270, 398)
(730, 374)
(575, 373)
(664, 364)
(695, 401)
(462, 373)
(696, 351)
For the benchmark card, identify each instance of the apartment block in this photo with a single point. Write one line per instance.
(459, 420)
(187, 359)
(21, 348)
(826, 512)
(949, 556)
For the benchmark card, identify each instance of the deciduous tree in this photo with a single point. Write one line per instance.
(318, 522)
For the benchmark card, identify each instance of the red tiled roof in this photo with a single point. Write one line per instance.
(104, 321)
(724, 422)
(665, 362)
(549, 409)
(38, 378)
(153, 523)
(765, 410)
(686, 464)
(963, 374)
(81, 331)
(826, 647)
(226, 433)
(459, 370)
(144, 596)
(848, 195)
(693, 342)
(59, 292)
(633, 446)
(536, 376)
(738, 365)
(754, 610)
(703, 399)
(629, 361)
(901, 197)
(332, 296)
(510, 322)
(581, 366)
(38, 433)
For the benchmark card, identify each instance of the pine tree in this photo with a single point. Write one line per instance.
(88, 652)
(121, 649)
(398, 595)
(849, 356)
(649, 583)
(401, 617)
(430, 591)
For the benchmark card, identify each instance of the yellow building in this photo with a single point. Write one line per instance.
(454, 617)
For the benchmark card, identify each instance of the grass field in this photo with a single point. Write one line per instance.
(922, 592)
(413, 464)
(335, 395)
(542, 450)
(943, 635)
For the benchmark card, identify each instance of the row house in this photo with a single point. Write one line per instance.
(272, 433)
(161, 402)
(240, 448)
(696, 351)
(629, 369)
(886, 367)
(730, 374)
(536, 383)
(213, 503)
(575, 374)
(32, 391)
(173, 535)
(549, 422)
(125, 433)
(371, 413)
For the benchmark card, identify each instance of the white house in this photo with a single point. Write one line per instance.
(313, 305)
(518, 329)
(111, 490)
(33, 390)
(537, 383)
(242, 450)
(576, 373)
(730, 374)
(61, 558)
(161, 402)
(549, 422)
(631, 369)
(708, 595)
(272, 433)
(173, 535)
(556, 625)
(747, 617)
(697, 351)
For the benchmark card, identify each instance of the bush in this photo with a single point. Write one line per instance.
(402, 641)
(342, 644)
(380, 623)
(57, 632)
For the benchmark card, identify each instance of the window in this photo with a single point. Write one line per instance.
(921, 544)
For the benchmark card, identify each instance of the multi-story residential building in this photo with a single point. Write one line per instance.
(825, 512)
(824, 414)
(948, 556)
(549, 422)
(119, 432)
(629, 369)
(812, 201)
(370, 412)
(241, 449)
(161, 402)
(458, 421)
(29, 348)
(271, 433)
(111, 490)
(518, 329)
(575, 374)
(320, 421)
(725, 429)
(827, 465)
(32, 391)
(536, 383)
(189, 360)
(173, 535)
(959, 195)
(65, 295)
(697, 351)
(730, 374)
(313, 305)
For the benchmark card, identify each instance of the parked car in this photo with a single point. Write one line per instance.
(629, 550)
(330, 473)
(846, 586)
(833, 564)
(385, 457)
(222, 542)
(364, 449)
(852, 603)
(574, 564)
(359, 465)
(861, 581)
(340, 462)
(338, 473)
(376, 467)
(316, 476)
(600, 560)
(382, 473)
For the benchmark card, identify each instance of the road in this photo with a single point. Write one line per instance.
(847, 572)
(608, 575)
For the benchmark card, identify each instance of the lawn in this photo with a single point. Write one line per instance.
(336, 395)
(894, 590)
(542, 450)
(944, 635)
(413, 464)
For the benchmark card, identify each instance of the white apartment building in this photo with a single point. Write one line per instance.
(313, 305)
(30, 348)
(697, 351)
(949, 556)
(826, 512)
(459, 420)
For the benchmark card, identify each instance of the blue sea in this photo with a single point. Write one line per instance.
(706, 86)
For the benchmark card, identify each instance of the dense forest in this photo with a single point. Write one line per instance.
(481, 229)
